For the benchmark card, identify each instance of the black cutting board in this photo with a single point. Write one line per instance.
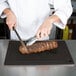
(59, 56)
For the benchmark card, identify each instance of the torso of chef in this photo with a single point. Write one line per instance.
(33, 15)
(30, 15)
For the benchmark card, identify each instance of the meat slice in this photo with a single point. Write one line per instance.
(39, 47)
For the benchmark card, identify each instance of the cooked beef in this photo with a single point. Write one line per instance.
(39, 47)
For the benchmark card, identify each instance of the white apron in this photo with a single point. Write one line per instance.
(30, 15)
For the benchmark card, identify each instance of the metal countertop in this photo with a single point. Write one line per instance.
(37, 70)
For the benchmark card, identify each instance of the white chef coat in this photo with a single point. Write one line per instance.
(31, 14)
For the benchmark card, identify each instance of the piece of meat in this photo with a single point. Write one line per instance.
(39, 47)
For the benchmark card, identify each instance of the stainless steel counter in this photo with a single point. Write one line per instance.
(37, 70)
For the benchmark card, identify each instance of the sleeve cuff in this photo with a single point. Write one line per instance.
(3, 6)
(63, 19)
(60, 25)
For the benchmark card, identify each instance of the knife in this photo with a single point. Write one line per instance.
(22, 43)
(31, 41)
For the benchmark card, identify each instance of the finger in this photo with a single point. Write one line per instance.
(38, 34)
(11, 26)
(48, 32)
(44, 34)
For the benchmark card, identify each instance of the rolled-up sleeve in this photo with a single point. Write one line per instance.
(3, 5)
(63, 9)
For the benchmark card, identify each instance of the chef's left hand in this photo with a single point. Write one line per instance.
(45, 29)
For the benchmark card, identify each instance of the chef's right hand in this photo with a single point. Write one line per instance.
(10, 18)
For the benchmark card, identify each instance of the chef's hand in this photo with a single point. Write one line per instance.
(44, 29)
(10, 18)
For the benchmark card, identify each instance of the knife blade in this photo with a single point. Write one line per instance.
(31, 41)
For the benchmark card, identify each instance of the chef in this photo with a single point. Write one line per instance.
(31, 17)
